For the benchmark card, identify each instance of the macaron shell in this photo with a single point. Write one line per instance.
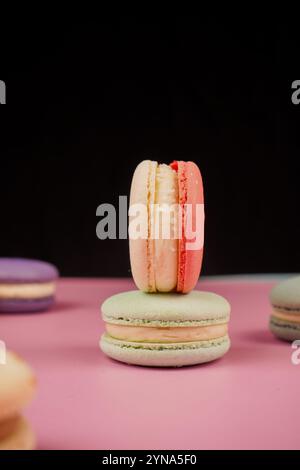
(287, 331)
(286, 295)
(21, 270)
(198, 306)
(165, 357)
(191, 193)
(22, 438)
(141, 249)
(17, 386)
(25, 305)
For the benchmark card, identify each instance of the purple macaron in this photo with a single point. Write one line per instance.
(26, 285)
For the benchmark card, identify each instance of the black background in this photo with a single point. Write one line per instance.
(87, 101)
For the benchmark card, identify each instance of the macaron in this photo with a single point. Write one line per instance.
(17, 388)
(167, 254)
(26, 285)
(19, 437)
(165, 330)
(285, 301)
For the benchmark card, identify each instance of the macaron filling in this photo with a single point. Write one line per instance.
(27, 290)
(290, 317)
(163, 227)
(168, 346)
(165, 245)
(166, 334)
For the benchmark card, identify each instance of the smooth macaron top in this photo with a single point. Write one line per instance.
(21, 270)
(197, 306)
(286, 294)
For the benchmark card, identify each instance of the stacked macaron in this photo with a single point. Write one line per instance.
(158, 325)
(161, 264)
(26, 285)
(17, 387)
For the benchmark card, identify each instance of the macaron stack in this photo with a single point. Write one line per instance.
(158, 325)
(17, 387)
(26, 285)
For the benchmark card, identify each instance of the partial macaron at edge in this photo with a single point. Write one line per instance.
(17, 386)
(284, 321)
(21, 438)
(286, 295)
(289, 315)
(289, 331)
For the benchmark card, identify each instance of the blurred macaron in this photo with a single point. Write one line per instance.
(285, 317)
(26, 285)
(17, 388)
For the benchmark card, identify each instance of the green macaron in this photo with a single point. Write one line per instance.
(165, 329)
(285, 301)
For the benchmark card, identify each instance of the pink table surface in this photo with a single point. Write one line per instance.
(248, 399)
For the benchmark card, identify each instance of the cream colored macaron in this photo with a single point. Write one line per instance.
(18, 437)
(17, 386)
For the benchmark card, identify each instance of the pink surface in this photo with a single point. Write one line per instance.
(248, 399)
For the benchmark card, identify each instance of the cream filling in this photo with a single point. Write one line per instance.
(295, 318)
(164, 228)
(27, 291)
(190, 345)
(165, 334)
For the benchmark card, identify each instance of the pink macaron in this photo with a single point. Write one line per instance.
(172, 262)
